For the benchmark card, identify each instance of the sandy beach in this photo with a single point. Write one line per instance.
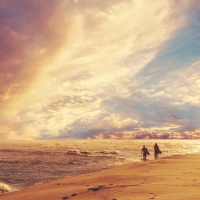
(175, 177)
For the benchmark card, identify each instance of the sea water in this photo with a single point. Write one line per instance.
(24, 163)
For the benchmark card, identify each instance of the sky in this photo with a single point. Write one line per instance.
(114, 69)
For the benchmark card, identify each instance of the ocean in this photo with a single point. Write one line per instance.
(28, 163)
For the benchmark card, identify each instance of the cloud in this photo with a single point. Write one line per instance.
(31, 38)
(97, 69)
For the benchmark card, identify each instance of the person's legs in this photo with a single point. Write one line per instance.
(156, 155)
(144, 157)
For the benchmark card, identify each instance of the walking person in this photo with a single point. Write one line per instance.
(156, 151)
(144, 152)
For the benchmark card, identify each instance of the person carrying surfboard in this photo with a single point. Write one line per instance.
(144, 152)
(156, 151)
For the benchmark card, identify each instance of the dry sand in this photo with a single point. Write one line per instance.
(176, 177)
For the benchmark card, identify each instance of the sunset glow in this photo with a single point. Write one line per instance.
(115, 69)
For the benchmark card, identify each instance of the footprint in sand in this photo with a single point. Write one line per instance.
(67, 197)
(64, 198)
(94, 189)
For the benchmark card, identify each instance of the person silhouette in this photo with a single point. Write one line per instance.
(144, 152)
(156, 151)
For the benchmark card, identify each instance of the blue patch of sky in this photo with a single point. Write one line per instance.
(188, 112)
(177, 53)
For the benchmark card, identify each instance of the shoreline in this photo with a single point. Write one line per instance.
(8, 190)
(174, 177)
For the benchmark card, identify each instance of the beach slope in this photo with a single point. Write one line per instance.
(176, 177)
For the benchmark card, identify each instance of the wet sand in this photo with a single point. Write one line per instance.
(175, 177)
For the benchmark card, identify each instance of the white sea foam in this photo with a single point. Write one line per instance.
(4, 188)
